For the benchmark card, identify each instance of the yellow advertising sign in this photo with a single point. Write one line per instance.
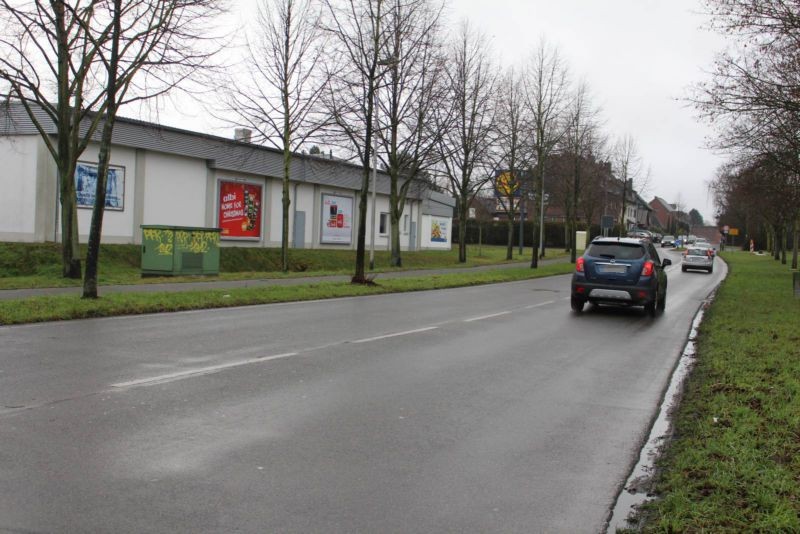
(733, 231)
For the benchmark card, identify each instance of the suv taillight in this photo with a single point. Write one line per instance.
(579, 265)
(647, 270)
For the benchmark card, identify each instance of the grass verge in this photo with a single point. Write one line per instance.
(734, 463)
(37, 265)
(64, 307)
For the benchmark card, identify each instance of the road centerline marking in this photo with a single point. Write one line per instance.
(179, 375)
(491, 315)
(540, 304)
(396, 334)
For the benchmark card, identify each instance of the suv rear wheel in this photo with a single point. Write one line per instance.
(577, 304)
(652, 307)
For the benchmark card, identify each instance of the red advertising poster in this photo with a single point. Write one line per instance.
(239, 210)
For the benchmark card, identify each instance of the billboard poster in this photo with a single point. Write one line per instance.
(506, 185)
(239, 210)
(337, 219)
(86, 186)
(440, 230)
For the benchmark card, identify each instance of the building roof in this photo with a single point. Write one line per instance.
(219, 152)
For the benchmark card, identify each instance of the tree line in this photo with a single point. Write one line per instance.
(752, 98)
(381, 81)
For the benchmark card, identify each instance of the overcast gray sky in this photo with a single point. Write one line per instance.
(638, 58)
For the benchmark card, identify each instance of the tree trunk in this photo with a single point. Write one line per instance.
(95, 230)
(795, 241)
(776, 243)
(358, 277)
(535, 240)
(784, 239)
(70, 251)
(396, 260)
(462, 230)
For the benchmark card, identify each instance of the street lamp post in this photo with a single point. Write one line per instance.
(374, 188)
(521, 219)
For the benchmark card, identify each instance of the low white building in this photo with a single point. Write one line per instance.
(168, 176)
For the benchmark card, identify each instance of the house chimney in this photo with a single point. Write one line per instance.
(243, 135)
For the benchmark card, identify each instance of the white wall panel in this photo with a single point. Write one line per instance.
(18, 187)
(175, 190)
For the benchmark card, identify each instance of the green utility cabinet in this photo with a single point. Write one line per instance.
(179, 250)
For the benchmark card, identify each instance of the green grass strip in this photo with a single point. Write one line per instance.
(734, 465)
(64, 307)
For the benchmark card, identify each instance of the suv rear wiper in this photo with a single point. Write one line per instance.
(609, 256)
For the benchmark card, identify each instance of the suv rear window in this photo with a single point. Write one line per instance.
(618, 251)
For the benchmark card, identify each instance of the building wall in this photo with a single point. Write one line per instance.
(18, 182)
(175, 190)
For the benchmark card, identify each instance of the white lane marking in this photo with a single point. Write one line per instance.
(486, 316)
(539, 305)
(407, 332)
(197, 371)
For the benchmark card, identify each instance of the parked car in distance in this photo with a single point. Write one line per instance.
(668, 241)
(640, 234)
(622, 272)
(697, 258)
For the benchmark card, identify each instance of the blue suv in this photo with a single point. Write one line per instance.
(620, 271)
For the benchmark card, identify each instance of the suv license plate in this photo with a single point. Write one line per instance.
(616, 269)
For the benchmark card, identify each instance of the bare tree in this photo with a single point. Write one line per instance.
(47, 59)
(146, 48)
(407, 135)
(753, 97)
(467, 122)
(359, 40)
(578, 141)
(511, 150)
(547, 96)
(630, 170)
(278, 97)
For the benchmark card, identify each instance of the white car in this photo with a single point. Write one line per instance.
(697, 258)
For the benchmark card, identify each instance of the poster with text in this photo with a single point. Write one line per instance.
(239, 210)
(337, 219)
(440, 231)
(86, 186)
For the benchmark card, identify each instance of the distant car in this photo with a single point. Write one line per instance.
(657, 238)
(620, 271)
(697, 258)
(668, 241)
(640, 234)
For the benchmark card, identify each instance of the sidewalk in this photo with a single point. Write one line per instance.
(8, 294)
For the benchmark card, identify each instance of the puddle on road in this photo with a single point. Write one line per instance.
(634, 492)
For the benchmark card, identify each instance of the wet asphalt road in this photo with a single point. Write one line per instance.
(485, 409)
